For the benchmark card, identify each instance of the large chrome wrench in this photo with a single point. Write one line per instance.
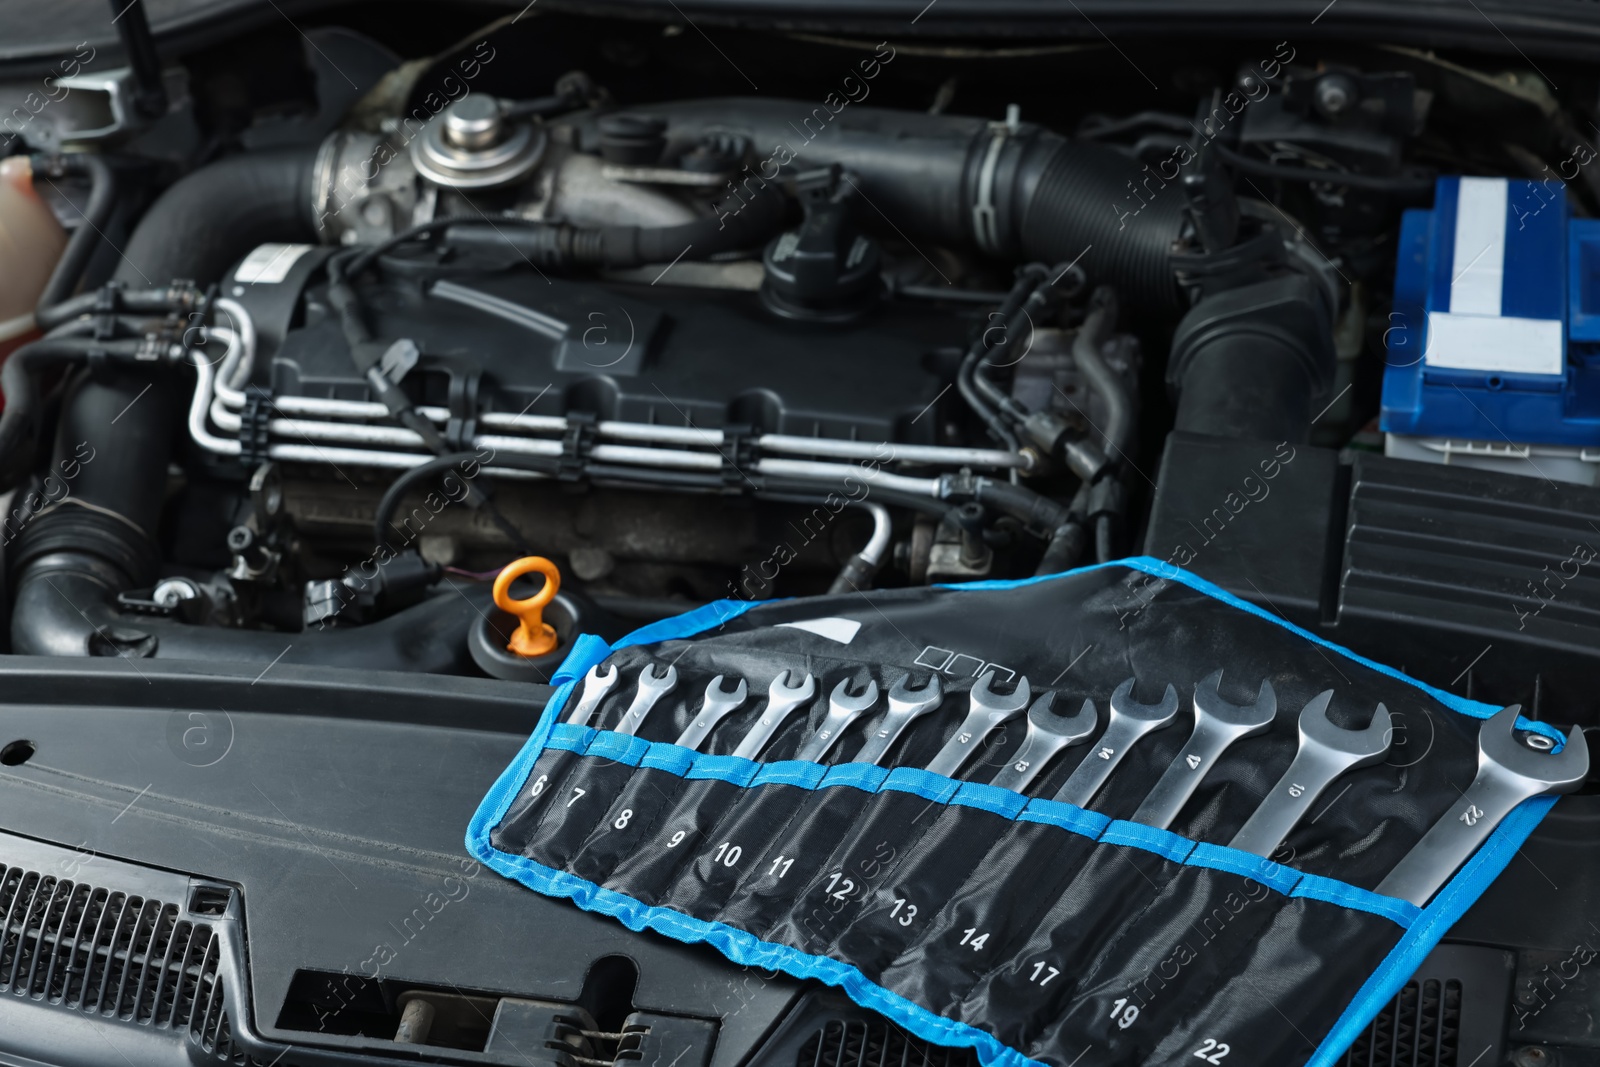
(843, 709)
(1326, 753)
(718, 705)
(1127, 722)
(596, 684)
(1048, 733)
(782, 699)
(906, 706)
(988, 709)
(1509, 772)
(1217, 724)
(652, 687)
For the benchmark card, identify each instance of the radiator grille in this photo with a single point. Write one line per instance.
(876, 1044)
(112, 955)
(1420, 1027)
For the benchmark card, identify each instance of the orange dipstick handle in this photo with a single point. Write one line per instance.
(534, 637)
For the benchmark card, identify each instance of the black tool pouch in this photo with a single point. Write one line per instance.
(977, 916)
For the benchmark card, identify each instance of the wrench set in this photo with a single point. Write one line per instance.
(1512, 766)
(1099, 869)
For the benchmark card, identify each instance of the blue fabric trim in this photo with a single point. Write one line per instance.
(1218, 858)
(1441, 913)
(705, 617)
(1333, 891)
(1075, 820)
(1163, 843)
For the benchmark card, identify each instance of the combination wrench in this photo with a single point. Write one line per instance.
(596, 684)
(1509, 772)
(1217, 724)
(718, 705)
(843, 709)
(1326, 753)
(782, 698)
(906, 706)
(1126, 723)
(988, 709)
(652, 687)
(1048, 733)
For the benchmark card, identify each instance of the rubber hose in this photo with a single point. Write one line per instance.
(86, 238)
(1088, 204)
(195, 230)
(927, 175)
(1105, 382)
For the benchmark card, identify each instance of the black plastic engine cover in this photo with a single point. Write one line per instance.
(648, 353)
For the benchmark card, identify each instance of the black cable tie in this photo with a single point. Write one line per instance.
(738, 457)
(576, 443)
(253, 419)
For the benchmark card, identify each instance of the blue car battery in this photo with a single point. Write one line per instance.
(1493, 345)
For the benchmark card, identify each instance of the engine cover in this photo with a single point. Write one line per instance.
(521, 343)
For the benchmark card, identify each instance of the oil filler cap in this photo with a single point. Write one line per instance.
(827, 270)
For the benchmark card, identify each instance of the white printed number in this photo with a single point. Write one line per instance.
(538, 785)
(977, 942)
(781, 865)
(1124, 1013)
(622, 819)
(577, 794)
(727, 854)
(1211, 1050)
(676, 839)
(846, 886)
(1042, 973)
(903, 912)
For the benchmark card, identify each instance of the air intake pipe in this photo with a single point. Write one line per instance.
(1012, 190)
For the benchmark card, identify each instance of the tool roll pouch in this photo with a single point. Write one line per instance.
(978, 916)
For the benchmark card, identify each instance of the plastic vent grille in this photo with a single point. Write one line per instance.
(111, 955)
(1420, 1027)
(876, 1044)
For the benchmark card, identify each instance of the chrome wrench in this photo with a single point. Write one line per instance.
(843, 709)
(718, 705)
(1509, 772)
(1326, 753)
(906, 706)
(596, 684)
(652, 687)
(1217, 724)
(1127, 722)
(782, 699)
(988, 709)
(1048, 733)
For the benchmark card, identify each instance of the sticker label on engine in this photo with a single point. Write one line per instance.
(269, 264)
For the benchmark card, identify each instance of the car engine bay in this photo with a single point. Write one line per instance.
(313, 325)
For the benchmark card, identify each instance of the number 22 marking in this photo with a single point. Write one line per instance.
(1211, 1050)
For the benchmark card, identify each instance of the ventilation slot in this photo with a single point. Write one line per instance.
(1420, 1027)
(111, 955)
(861, 1044)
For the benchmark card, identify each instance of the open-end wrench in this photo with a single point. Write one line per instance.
(1326, 752)
(1128, 721)
(843, 709)
(596, 684)
(1048, 733)
(1217, 724)
(782, 698)
(718, 706)
(1509, 772)
(652, 687)
(988, 710)
(906, 706)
